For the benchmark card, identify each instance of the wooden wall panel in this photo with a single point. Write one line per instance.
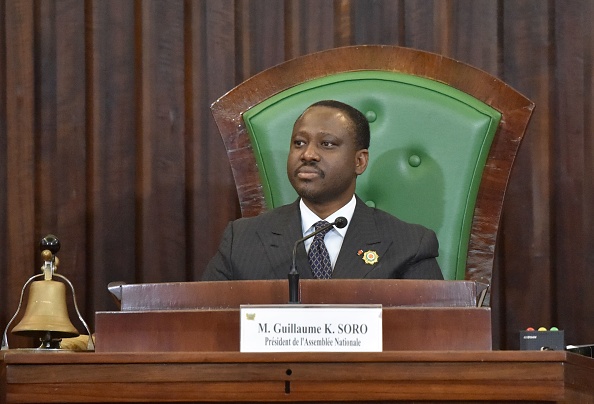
(3, 178)
(112, 125)
(219, 196)
(527, 27)
(69, 157)
(310, 26)
(476, 34)
(46, 115)
(377, 22)
(108, 142)
(259, 46)
(161, 162)
(573, 274)
(211, 70)
(424, 24)
(19, 164)
(197, 122)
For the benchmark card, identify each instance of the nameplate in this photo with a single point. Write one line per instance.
(311, 328)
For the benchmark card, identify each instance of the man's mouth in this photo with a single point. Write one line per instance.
(308, 172)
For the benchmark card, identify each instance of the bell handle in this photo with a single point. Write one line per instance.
(4, 336)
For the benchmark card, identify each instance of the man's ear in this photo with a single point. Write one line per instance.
(361, 160)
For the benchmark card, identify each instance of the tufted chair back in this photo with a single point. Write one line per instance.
(431, 140)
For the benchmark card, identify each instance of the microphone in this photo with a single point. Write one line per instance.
(340, 222)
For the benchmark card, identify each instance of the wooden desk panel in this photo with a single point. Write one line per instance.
(404, 329)
(495, 376)
(204, 316)
(232, 294)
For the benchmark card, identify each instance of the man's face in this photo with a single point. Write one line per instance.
(323, 161)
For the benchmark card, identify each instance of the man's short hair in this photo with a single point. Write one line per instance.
(360, 123)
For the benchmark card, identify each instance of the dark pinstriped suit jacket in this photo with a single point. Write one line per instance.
(261, 247)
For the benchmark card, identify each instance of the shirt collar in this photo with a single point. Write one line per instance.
(309, 218)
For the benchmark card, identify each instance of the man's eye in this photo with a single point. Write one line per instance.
(298, 143)
(328, 144)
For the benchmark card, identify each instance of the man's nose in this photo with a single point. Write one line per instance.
(310, 153)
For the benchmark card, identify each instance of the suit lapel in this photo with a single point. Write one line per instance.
(362, 236)
(278, 241)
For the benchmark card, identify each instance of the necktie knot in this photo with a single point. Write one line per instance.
(318, 226)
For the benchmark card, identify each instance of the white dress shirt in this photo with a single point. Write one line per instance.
(334, 237)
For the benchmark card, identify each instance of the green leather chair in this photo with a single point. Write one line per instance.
(443, 139)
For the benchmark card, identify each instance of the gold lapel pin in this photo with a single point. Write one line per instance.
(370, 257)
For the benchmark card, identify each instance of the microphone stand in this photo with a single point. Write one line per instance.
(294, 297)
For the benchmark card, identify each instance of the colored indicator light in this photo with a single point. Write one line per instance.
(542, 329)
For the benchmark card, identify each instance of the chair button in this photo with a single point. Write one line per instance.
(371, 204)
(414, 160)
(371, 116)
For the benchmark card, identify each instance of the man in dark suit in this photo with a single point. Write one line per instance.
(329, 149)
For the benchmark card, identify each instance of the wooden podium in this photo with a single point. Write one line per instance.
(179, 343)
(204, 316)
(428, 377)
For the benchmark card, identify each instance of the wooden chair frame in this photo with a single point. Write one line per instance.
(514, 107)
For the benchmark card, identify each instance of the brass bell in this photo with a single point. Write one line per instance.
(46, 312)
(46, 315)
